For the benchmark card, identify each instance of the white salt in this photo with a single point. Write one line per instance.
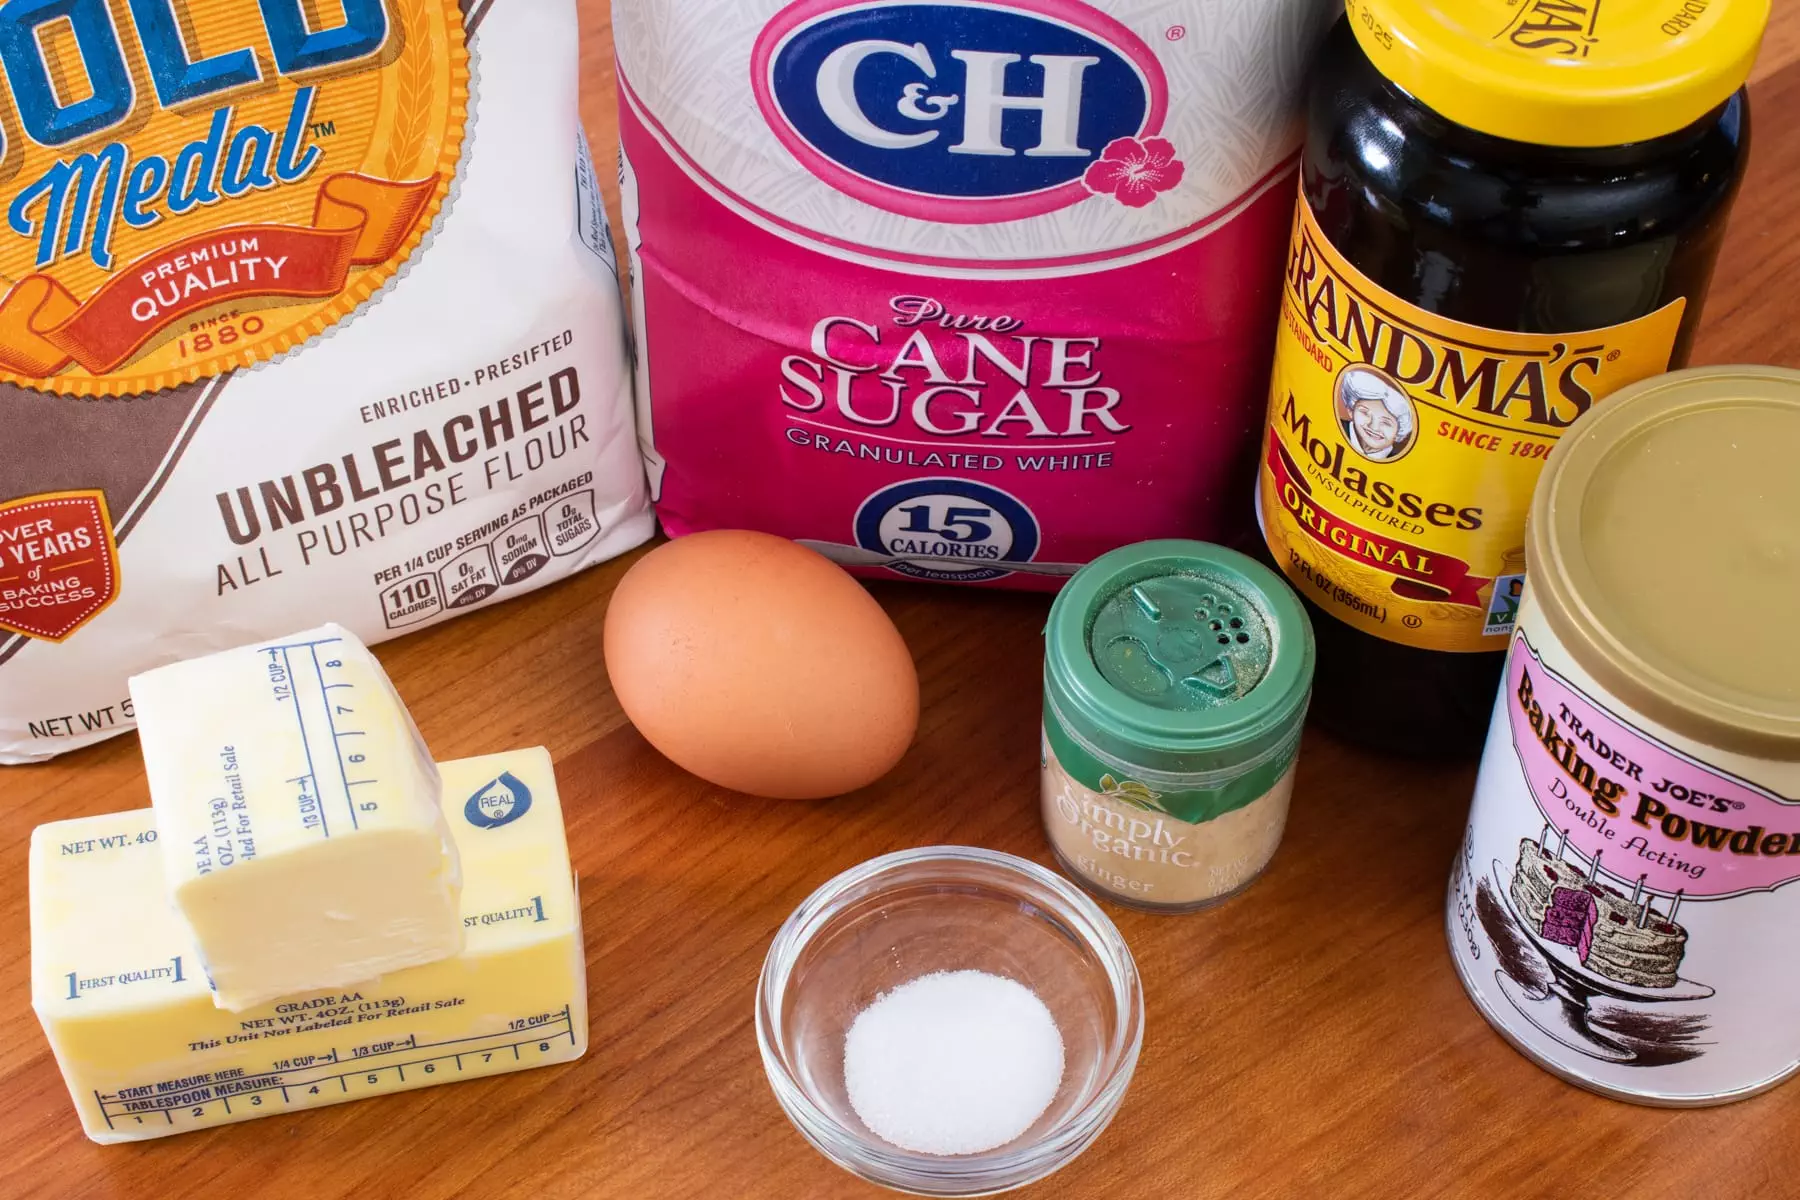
(955, 1062)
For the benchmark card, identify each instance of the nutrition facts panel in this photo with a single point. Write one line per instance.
(310, 678)
(340, 1073)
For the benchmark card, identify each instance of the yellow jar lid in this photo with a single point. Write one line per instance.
(1663, 550)
(1564, 72)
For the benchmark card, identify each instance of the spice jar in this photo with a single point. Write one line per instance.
(1624, 906)
(1176, 678)
(1509, 209)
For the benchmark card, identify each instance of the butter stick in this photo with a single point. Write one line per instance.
(298, 818)
(145, 1052)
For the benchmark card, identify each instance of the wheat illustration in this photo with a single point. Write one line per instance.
(413, 78)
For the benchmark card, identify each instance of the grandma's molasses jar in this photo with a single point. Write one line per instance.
(1509, 209)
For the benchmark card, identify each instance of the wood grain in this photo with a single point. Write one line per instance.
(1308, 1039)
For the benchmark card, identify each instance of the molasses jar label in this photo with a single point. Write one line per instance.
(1402, 448)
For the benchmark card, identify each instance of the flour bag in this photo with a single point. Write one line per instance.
(310, 314)
(965, 290)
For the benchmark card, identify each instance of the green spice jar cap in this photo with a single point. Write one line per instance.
(1178, 657)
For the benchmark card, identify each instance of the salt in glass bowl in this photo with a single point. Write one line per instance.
(948, 908)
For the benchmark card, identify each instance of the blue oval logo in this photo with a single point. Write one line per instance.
(947, 529)
(499, 802)
(956, 111)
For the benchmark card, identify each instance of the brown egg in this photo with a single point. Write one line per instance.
(760, 666)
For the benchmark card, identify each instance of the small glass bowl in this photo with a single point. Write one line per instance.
(948, 908)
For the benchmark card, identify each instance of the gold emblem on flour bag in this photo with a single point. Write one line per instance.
(201, 186)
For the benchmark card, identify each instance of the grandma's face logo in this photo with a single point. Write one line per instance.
(1375, 414)
(967, 111)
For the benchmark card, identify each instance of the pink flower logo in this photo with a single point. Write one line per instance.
(1133, 172)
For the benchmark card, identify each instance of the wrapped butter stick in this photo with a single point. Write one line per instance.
(146, 1053)
(298, 812)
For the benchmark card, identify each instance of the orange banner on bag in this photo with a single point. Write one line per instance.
(358, 220)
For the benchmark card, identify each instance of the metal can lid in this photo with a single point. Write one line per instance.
(1178, 656)
(1664, 551)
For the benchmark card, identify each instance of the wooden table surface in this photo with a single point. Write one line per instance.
(1307, 1039)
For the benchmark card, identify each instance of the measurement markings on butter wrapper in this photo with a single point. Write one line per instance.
(316, 716)
(202, 1098)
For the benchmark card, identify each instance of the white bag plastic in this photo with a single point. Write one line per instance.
(322, 325)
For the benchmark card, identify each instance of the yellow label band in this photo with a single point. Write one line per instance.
(1402, 447)
(197, 213)
(127, 1009)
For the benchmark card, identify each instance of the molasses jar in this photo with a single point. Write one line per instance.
(1508, 210)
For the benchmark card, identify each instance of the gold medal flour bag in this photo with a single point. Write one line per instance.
(310, 313)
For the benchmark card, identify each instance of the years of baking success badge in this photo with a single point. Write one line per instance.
(58, 564)
(201, 186)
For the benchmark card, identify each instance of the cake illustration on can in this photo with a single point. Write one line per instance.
(1570, 919)
(1615, 936)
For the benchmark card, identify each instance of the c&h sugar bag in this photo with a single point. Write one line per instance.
(321, 323)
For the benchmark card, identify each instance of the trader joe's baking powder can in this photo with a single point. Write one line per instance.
(1625, 908)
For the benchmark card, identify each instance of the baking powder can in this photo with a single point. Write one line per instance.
(1625, 908)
